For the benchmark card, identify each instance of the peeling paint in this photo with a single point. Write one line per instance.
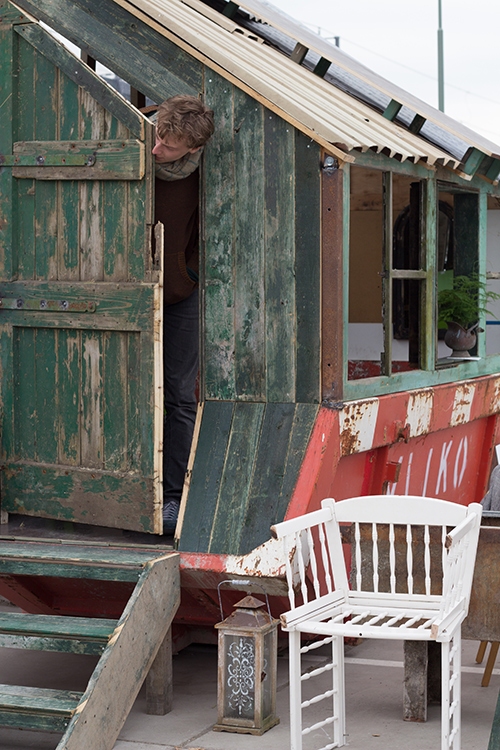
(264, 561)
(357, 422)
(419, 413)
(495, 401)
(462, 404)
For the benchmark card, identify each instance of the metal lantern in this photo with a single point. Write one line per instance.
(248, 651)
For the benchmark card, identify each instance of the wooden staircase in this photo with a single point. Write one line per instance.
(127, 645)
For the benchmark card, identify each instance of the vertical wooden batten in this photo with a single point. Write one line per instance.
(332, 241)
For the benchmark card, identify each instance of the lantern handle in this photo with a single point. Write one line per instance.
(242, 583)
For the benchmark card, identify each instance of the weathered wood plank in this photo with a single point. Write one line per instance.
(280, 258)
(122, 501)
(118, 40)
(68, 397)
(67, 217)
(218, 190)
(76, 320)
(303, 422)
(36, 708)
(268, 475)
(24, 129)
(129, 303)
(115, 395)
(24, 395)
(77, 635)
(249, 319)
(307, 268)
(63, 160)
(140, 219)
(91, 436)
(285, 434)
(9, 14)
(236, 477)
(94, 555)
(46, 344)
(116, 239)
(91, 240)
(80, 74)
(150, 612)
(6, 138)
(85, 567)
(45, 106)
(159, 681)
(6, 393)
(133, 403)
(149, 460)
(206, 477)
(71, 627)
(332, 258)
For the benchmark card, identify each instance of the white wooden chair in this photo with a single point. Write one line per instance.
(411, 575)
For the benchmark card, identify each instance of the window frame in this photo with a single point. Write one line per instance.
(432, 179)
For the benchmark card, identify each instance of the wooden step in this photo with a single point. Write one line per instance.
(78, 635)
(37, 708)
(65, 560)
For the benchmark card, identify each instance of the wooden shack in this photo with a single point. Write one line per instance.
(334, 205)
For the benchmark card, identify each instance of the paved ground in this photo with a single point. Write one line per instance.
(374, 673)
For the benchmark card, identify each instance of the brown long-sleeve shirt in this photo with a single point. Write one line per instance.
(177, 207)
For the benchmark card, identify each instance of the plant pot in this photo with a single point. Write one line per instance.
(460, 339)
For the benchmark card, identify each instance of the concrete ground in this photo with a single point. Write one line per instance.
(374, 674)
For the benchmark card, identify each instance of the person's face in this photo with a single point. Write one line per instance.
(170, 149)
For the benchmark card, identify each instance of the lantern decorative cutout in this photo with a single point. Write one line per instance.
(248, 653)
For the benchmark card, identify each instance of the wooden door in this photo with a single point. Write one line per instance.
(80, 293)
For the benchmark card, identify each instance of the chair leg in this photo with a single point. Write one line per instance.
(490, 664)
(481, 651)
(294, 663)
(338, 677)
(451, 693)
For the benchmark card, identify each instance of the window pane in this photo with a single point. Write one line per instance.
(365, 335)
(493, 266)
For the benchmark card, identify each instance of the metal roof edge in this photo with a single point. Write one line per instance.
(287, 24)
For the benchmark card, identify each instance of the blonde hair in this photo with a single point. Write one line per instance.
(185, 117)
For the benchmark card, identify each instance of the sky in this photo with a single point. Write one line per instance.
(398, 40)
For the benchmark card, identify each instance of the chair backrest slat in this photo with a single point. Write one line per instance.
(314, 564)
(392, 559)
(427, 559)
(409, 559)
(375, 556)
(357, 542)
(325, 558)
(301, 565)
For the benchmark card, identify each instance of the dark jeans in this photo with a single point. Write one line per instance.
(180, 368)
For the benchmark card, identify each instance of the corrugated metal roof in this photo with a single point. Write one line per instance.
(269, 14)
(329, 114)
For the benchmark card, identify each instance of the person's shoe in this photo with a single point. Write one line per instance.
(170, 515)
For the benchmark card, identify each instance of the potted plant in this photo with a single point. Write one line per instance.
(459, 308)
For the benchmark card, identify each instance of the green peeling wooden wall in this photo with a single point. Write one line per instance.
(260, 375)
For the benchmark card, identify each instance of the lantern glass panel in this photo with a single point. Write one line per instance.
(239, 690)
(267, 692)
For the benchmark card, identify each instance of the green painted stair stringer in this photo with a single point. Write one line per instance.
(129, 645)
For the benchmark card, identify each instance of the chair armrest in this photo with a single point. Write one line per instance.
(454, 617)
(317, 609)
(461, 530)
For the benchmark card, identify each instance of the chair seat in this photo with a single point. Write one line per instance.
(374, 622)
